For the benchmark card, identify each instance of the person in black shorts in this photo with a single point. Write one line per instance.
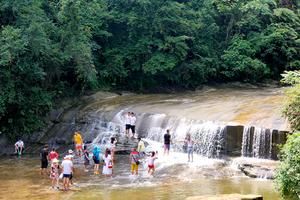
(44, 159)
(167, 142)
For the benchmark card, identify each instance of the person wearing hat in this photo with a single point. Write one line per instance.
(54, 173)
(67, 170)
(78, 142)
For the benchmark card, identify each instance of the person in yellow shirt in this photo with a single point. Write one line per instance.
(78, 142)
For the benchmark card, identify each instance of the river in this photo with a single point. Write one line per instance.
(20, 179)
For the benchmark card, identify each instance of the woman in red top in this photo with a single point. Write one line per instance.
(53, 154)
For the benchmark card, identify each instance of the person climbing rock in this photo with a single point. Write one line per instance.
(19, 147)
(78, 143)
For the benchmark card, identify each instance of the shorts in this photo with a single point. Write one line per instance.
(44, 164)
(132, 129)
(78, 146)
(167, 146)
(190, 150)
(96, 161)
(134, 167)
(67, 176)
(151, 166)
(127, 126)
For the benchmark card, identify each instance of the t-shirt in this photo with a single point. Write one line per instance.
(44, 154)
(20, 143)
(53, 154)
(151, 160)
(77, 139)
(167, 138)
(67, 166)
(127, 119)
(132, 120)
(134, 157)
(141, 146)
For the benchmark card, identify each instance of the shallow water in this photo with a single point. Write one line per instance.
(20, 179)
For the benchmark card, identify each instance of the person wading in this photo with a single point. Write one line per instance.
(44, 159)
(167, 142)
(134, 161)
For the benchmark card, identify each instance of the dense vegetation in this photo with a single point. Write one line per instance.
(288, 175)
(50, 49)
(292, 105)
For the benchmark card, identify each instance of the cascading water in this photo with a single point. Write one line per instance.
(257, 142)
(208, 136)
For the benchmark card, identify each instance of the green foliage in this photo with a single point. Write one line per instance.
(52, 49)
(288, 174)
(292, 105)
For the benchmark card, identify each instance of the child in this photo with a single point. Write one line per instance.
(107, 167)
(86, 158)
(54, 174)
(151, 159)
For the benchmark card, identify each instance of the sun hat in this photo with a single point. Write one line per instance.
(55, 160)
(70, 151)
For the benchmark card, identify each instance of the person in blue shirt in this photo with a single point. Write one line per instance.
(96, 158)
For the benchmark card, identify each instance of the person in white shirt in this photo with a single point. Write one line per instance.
(19, 147)
(151, 160)
(127, 123)
(132, 123)
(67, 170)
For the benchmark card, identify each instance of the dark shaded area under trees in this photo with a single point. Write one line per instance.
(50, 49)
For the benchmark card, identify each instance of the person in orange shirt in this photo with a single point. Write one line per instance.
(78, 143)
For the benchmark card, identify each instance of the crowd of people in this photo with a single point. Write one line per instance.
(65, 170)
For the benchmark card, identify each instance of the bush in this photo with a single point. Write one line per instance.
(288, 174)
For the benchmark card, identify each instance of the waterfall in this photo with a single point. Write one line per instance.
(208, 136)
(257, 142)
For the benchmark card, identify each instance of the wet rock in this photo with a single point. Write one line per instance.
(227, 197)
(255, 171)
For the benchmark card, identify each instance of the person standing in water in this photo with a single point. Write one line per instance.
(141, 147)
(54, 173)
(151, 160)
(132, 124)
(78, 143)
(127, 124)
(96, 158)
(108, 164)
(67, 170)
(134, 161)
(190, 147)
(44, 159)
(167, 142)
(53, 154)
(113, 144)
(86, 158)
(19, 147)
